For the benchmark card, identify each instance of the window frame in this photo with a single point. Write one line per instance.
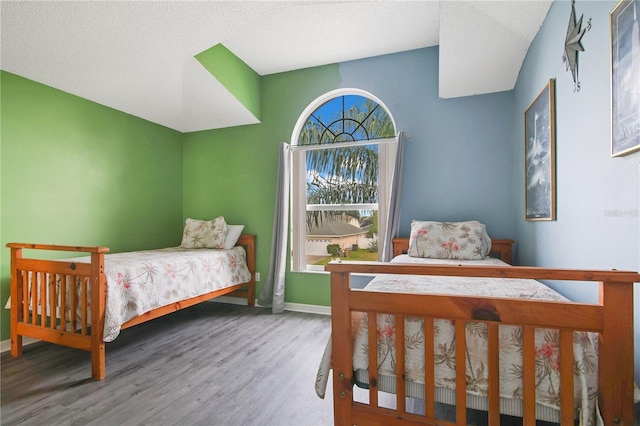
(386, 160)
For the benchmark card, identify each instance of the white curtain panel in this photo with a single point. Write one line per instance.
(393, 217)
(272, 293)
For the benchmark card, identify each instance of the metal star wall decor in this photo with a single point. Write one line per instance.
(573, 44)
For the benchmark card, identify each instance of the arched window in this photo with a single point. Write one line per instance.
(344, 149)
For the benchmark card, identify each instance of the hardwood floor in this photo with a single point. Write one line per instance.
(212, 364)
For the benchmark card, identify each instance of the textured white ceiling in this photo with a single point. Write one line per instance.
(138, 56)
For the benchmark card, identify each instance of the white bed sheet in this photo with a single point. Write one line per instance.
(140, 281)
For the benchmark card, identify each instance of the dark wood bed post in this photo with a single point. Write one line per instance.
(248, 241)
(341, 359)
(615, 354)
(98, 288)
(16, 297)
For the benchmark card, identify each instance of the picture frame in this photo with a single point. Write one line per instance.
(625, 84)
(540, 156)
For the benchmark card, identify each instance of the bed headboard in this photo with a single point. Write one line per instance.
(501, 247)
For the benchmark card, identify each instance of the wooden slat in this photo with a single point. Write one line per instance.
(51, 279)
(42, 280)
(539, 313)
(28, 290)
(493, 348)
(429, 368)
(400, 369)
(63, 302)
(74, 304)
(529, 375)
(55, 247)
(84, 319)
(372, 340)
(461, 373)
(33, 286)
(55, 336)
(566, 376)
(482, 271)
(55, 266)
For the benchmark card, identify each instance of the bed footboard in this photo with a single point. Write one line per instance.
(59, 301)
(612, 318)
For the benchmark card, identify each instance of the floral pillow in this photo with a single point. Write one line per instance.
(204, 233)
(449, 240)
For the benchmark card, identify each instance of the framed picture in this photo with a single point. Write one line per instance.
(625, 83)
(540, 156)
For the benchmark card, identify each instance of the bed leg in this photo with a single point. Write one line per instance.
(251, 293)
(615, 369)
(16, 304)
(98, 306)
(98, 362)
(341, 348)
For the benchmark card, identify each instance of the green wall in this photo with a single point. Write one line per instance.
(238, 78)
(79, 173)
(232, 172)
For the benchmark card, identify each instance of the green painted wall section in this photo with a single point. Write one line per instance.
(232, 172)
(240, 79)
(76, 172)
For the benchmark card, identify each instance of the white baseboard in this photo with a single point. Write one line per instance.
(310, 309)
(294, 307)
(5, 345)
(230, 300)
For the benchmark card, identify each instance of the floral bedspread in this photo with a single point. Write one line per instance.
(546, 340)
(140, 281)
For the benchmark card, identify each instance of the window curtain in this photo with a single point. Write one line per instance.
(272, 293)
(393, 216)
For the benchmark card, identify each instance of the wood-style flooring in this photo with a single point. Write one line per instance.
(212, 364)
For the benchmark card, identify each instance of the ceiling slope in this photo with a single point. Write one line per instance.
(139, 56)
(483, 44)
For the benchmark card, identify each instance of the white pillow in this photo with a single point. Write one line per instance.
(449, 240)
(204, 233)
(233, 233)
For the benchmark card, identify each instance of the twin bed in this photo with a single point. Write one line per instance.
(83, 302)
(463, 333)
(478, 334)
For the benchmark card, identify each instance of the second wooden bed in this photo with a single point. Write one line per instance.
(64, 301)
(611, 318)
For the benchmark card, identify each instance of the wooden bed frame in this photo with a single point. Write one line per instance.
(612, 318)
(79, 331)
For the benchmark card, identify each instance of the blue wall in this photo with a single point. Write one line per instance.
(598, 197)
(458, 157)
